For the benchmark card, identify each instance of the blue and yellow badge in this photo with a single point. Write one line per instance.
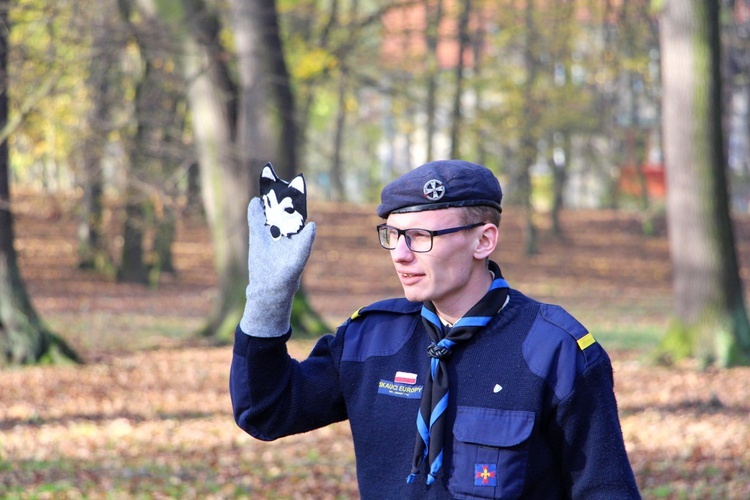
(485, 474)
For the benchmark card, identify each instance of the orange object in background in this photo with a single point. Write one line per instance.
(653, 174)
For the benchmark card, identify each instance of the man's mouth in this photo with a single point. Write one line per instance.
(410, 276)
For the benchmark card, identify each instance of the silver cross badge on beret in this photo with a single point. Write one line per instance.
(433, 189)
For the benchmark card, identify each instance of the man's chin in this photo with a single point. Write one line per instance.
(414, 295)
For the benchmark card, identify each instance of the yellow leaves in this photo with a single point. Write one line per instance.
(313, 63)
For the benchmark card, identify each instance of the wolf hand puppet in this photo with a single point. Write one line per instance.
(279, 247)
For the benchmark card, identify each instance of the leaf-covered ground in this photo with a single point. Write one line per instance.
(149, 415)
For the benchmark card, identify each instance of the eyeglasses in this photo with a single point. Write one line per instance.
(418, 240)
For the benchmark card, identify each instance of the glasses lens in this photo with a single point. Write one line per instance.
(388, 237)
(418, 240)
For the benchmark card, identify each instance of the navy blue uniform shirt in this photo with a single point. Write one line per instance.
(532, 411)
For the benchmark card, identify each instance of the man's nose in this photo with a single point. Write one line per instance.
(402, 251)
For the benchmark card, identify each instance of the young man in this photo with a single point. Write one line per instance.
(465, 388)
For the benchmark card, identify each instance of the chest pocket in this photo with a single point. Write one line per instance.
(490, 452)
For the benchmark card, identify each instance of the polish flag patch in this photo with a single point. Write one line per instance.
(405, 378)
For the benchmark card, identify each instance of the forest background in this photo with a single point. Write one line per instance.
(136, 131)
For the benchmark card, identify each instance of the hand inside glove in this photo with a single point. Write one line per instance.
(275, 264)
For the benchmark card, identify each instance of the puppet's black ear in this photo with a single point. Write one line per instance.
(267, 178)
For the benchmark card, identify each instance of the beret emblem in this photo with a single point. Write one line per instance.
(433, 189)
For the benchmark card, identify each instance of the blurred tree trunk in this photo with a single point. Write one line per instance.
(636, 139)
(92, 251)
(529, 128)
(560, 138)
(338, 173)
(238, 127)
(458, 92)
(267, 129)
(156, 152)
(132, 267)
(478, 125)
(559, 167)
(710, 321)
(23, 337)
(434, 10)
(225, 187)
(338, 190)
(166, 230)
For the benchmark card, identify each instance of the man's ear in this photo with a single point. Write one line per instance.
(486, 242)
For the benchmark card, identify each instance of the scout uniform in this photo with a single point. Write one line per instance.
(528, 408)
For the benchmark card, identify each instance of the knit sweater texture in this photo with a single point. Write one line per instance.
(532, 411)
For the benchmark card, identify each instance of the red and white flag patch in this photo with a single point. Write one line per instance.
(405, 378)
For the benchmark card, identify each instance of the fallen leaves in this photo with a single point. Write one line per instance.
(159, 423)
(687, 431)
(156, 423)
(150, 416)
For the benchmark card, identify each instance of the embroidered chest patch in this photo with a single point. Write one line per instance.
(403, 385)
(485, 474)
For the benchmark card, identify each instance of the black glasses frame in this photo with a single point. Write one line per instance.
(384, 229)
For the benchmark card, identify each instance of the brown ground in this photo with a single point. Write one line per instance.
(149, 415)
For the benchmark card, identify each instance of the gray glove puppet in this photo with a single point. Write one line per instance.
(280, 245)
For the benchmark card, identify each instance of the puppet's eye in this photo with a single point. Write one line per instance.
(289, 210)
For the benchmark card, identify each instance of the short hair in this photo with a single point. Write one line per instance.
(470, 215)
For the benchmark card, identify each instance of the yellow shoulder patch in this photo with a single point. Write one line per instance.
(586, 341)
(356, 314)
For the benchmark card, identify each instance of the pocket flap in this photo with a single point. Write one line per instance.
(492, 427)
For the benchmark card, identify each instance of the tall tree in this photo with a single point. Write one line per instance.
(226, 186)
(710, 321)
(23, 336)
(434, 15)
(155, 150)
(529, 130)
(238, 124)
(564, 100)
(92, 251)
(478, 46)
(457, 115)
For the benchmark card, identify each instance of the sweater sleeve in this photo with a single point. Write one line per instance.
(587, 428)
(583, 425)
(274, 395)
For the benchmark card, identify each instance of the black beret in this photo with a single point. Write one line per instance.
(441, 184)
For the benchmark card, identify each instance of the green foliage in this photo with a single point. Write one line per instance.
(171, 11)
(656, 6)
(677, 343)
(639, 339)
(59, 353)
(223, 332)
(306, 322)
(653, 219)
(711, 340)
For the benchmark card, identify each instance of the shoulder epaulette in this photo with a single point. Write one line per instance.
(398, 306)
(559, 348)
(380, 329)
(562, 319)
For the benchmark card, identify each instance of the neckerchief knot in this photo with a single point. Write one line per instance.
(439, 350)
